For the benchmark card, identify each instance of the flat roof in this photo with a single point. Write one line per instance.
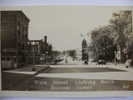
(16, 11)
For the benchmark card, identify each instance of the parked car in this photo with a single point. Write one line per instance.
(86, 62)
(101, 61)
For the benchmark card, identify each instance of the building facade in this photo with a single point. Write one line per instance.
(46, 51)
(38, 51)
(14, 36)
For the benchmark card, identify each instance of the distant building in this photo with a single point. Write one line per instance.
(46, 51)
(33, 52)
(14, 36)
(38, 51)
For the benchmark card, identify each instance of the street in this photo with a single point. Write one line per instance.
(90, 77)
(80, 70)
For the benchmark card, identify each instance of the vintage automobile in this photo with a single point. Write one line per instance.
(101, 61)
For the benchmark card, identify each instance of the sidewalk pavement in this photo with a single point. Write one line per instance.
(121, 67)
(31, 69)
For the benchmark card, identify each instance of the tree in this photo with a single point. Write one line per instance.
(115, 36)
(121, 23)
(84, 50)
(130, 48)
(102, 43)
(72, 53)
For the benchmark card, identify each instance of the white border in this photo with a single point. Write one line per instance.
(66, 2)
(40, 94)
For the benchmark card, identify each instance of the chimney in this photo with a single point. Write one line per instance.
(45, 39)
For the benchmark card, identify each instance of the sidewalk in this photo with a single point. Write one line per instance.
(121, 67)
(31, 69)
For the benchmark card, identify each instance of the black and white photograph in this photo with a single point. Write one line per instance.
(67, 48)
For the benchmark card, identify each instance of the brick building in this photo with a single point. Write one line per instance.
(33, 52)
(38, 51)
(46, 50)
(14, 36)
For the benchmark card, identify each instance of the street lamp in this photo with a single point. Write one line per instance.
(33, 52)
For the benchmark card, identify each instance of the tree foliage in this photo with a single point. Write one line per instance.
(112, 36)
(102, 43)
(119, 24)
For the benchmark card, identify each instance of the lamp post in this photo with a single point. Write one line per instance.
(33, 52)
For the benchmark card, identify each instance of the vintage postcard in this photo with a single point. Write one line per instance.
(67, 48)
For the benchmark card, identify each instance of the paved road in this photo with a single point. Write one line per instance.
(81, 70)
(21, 81)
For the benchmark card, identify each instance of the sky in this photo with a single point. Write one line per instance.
(66, 26)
